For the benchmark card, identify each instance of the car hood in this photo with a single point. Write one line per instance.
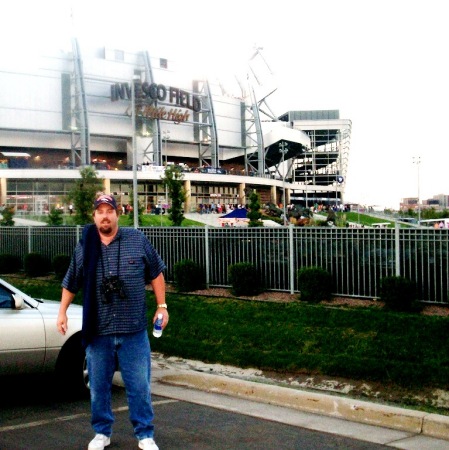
(52, 307)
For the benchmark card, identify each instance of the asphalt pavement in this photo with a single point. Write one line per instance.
(365, 421)
(44, 423)
(198, 410)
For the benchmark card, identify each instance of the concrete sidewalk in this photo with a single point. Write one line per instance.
(208, 219)
(372, 422)
(18, 221)
(28, 223)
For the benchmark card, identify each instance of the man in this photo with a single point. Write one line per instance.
(113, 265)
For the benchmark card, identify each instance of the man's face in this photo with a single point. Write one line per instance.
(106, 219)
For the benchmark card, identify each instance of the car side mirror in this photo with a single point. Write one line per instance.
(18, 301)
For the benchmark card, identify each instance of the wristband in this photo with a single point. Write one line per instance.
(162, 305)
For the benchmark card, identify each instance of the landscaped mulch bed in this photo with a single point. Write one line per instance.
(286, 297)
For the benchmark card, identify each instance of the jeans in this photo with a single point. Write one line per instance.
(134, 357)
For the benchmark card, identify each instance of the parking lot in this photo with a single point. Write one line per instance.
(34, 416)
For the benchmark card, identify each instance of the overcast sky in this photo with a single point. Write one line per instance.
(382, 63)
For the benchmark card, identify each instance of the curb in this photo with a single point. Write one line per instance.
(417, 422)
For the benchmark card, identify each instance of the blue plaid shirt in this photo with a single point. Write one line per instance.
(132, 258)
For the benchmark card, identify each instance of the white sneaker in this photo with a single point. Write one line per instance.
(148, 444)
(99, 442)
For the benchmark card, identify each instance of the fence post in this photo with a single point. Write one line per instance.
(291, 259)
(206, 255)
(397, 249)
(30, 246)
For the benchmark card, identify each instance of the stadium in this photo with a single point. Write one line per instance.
(130, 115)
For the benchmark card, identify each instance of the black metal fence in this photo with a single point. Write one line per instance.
(357, 258)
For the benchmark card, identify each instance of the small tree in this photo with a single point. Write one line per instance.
(254, 213)
(7, 219)
(83, 195)
(55, 217)
(173, 182)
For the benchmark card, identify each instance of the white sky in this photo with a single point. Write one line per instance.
(382, 63)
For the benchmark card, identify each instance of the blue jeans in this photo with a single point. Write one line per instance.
(134, 357)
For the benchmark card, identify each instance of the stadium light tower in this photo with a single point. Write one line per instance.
(283, 148)
(165, 138)
(134, 151)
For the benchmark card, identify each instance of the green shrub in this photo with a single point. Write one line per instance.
(55, 217)
(60, 264)
(7, 219)
(244, 279)
(36, 265)
(399, 294)
(9, 263)
(188, 276)
(315, 284)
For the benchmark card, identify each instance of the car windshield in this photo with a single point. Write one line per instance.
(6, 300)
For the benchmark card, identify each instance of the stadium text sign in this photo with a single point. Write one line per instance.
(148, 94)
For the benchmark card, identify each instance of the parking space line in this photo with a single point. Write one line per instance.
(72, 417)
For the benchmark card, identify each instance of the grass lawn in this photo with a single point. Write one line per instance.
(402, 349)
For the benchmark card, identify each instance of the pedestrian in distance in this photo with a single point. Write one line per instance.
(112, 266)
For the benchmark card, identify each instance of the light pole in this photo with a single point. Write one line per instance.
(336, 193)
(133, 121)
(283, 148)
(165, 138)
(338, 182)
(417, 161)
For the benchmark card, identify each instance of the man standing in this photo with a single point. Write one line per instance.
(113, 265)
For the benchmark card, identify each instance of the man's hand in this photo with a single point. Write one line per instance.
(164, 313)
(61, 323)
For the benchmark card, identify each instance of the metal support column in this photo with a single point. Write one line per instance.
(80, 142)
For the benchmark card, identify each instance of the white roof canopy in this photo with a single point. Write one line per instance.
(15, 154)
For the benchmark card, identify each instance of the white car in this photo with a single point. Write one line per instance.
(30, 342)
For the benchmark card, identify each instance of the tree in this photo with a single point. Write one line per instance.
(7, 219)
(83, 195)
(55, 217)
(254, 213)
(173, 182)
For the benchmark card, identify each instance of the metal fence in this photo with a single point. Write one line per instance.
(357, 258)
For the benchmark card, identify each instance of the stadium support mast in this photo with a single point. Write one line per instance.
(80, 137)
(258, 106)
(206, 132)
(152, 153)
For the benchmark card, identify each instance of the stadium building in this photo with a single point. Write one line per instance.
(130, 115)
